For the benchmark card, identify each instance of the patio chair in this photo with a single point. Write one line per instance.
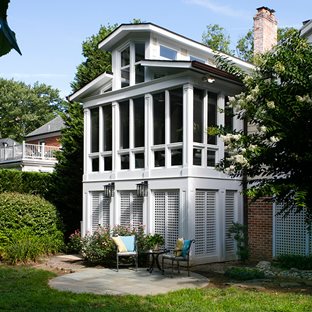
(126, 246)
(180, 254)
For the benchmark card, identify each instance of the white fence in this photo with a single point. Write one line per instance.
(27, 151)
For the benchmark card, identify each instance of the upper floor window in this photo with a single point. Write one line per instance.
(94, 130)
(198, 109)
(212, 115)
(139, 55)
(125, 67)
(159, 118)
(228, 116)
(138, 110)
(168, 53)
(176, 115)
(107, 128)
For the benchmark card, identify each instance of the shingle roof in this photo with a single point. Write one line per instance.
(54, 125)
(8, 141)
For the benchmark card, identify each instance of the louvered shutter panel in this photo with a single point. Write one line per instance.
(137, 210)
(229, 218)
(124, 208)
(105, 211)
(95, 210)
(205, 222)
(160, 213)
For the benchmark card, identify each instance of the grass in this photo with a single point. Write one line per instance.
(26, 289)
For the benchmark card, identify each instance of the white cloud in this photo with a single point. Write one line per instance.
(218, 8)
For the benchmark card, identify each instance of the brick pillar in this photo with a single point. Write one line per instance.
(260, 229)
(265, 30)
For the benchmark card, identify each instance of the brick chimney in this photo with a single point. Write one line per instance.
(265, 30)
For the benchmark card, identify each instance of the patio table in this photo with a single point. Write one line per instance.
(155, 258)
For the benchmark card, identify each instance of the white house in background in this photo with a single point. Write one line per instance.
(37, 152)
(145, 126)
(306, 30)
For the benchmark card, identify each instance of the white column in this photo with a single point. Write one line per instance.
(115, 134)
(220, 122)
(131, 134)
(86, 141)
(187, 125)
(148, 138)
(167, 129)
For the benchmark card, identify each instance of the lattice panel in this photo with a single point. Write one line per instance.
(160, 213)
(229, 218)
(167, 216)
(95, 210)
(137, 210)
(205, 222)
(125, 208)
(172, 219)
(200, 224)
(290, 233)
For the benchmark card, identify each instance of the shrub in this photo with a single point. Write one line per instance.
(239, 233)
(74, 244)
(244, 274)
(99, 248)
(29, 227)
(294, 261)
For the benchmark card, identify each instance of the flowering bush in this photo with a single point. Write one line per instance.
(99, 247)
(74, 243)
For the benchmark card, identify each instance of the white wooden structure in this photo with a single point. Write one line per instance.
(147, 121)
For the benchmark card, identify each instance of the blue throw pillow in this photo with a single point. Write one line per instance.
(186, 247)
(129, 242)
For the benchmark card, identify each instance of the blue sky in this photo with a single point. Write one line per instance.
(50, 33)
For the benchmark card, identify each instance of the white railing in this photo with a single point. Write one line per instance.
(28, 151)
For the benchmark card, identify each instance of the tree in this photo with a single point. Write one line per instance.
(23, 108)
(97, 61)
(7, 36)
(67, 177)
(277, 102)
(216, 38)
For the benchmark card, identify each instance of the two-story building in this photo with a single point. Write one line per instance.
(148, 158)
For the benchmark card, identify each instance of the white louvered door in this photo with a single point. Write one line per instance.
(100, 210)
(131, 209)
(166, 205)
(229, 219)
(205, 222)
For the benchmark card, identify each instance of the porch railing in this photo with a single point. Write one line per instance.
(28, 151)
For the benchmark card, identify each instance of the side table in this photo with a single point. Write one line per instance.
(155, 258)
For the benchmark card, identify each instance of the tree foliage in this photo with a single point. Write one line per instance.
(277, 103)
(97, 61)
(216, 38)
(23, 108)
(67, 177)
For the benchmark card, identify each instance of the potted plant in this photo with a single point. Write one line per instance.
(154, 241)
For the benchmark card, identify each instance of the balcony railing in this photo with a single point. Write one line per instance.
(28, 151)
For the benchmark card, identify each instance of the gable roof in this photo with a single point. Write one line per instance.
(8, 142)
(54, 125)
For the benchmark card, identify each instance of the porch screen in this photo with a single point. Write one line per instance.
(167, 216)
(99, 210)
(131, 209)
(205, 222)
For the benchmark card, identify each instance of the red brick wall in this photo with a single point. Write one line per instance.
(52, 141)
(260, 229)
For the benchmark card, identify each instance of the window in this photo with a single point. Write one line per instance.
(176, 157)
(138, 108)
(125, 67)
(139, 55)
(198, 59)
(159, 118)
(168, 53)
(229, 114)
(159, 158)
(176, 115)
(212, 115)
(124, 160)
(94, 130)
(124, 124)
(95, 164)
(211, 158)
(107, 128)
(139, 160)
(198, 131)
(197, 155)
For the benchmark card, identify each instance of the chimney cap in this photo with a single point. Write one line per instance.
(266, 8)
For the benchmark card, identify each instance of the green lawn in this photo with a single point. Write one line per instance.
(26, 289)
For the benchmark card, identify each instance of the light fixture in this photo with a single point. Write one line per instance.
(142, 189)
(208, 79)
(109, 190)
